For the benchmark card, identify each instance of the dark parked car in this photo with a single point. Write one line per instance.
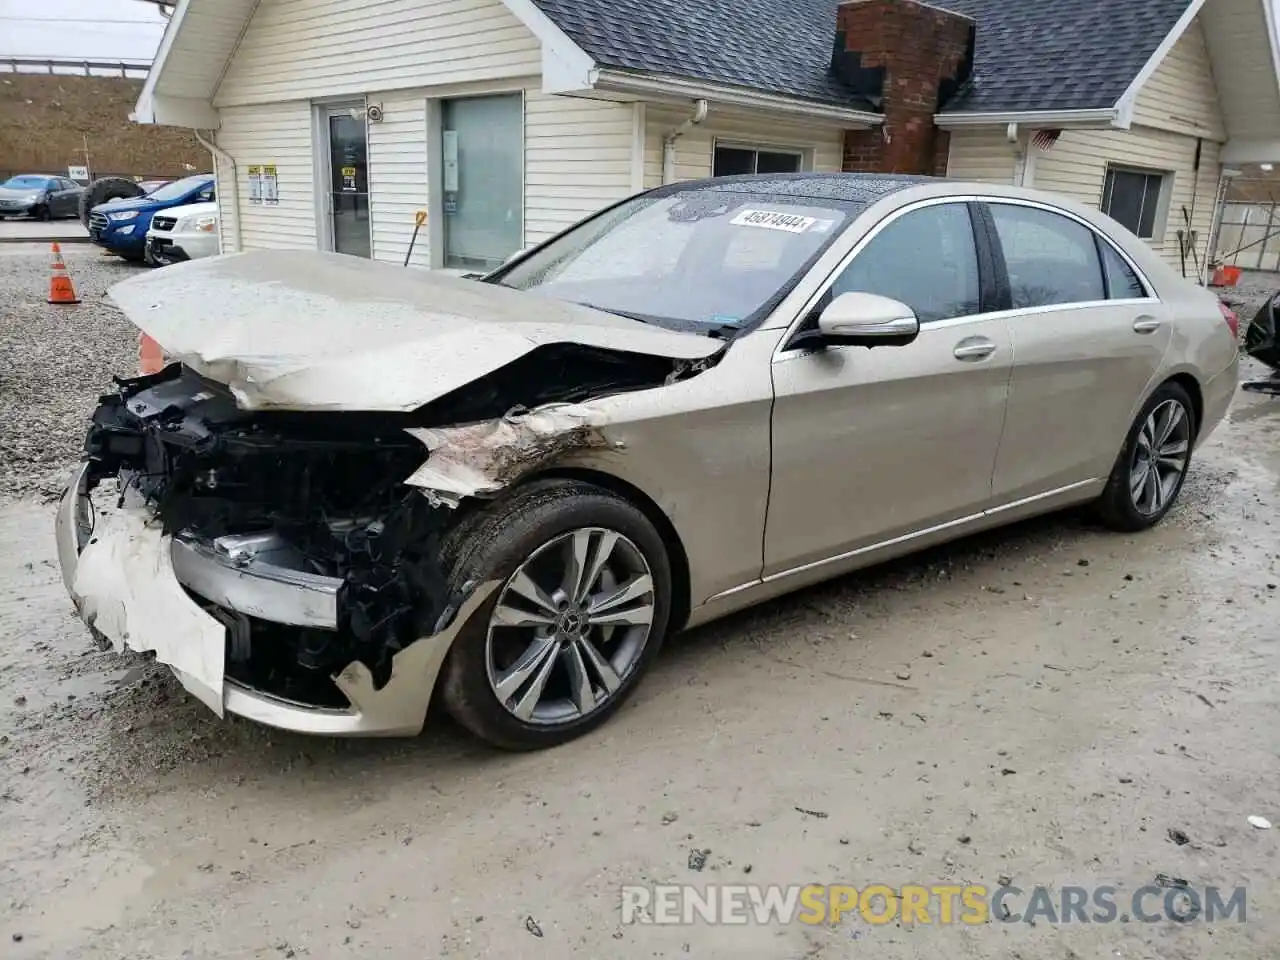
(40, 196)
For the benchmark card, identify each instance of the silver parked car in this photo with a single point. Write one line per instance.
(360, 488)
(40, 196)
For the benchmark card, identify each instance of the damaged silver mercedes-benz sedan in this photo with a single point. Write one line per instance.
(359, 489)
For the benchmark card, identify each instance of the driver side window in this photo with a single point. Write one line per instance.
(926, 258)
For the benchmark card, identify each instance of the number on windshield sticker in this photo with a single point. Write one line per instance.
(773, 220)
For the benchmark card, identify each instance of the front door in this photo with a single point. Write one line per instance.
(872, 445)
(1088, 338)
(347, 155)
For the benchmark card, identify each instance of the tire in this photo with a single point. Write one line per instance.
(524, 533)
(1120, 507)
(42, 213)
(108, 188)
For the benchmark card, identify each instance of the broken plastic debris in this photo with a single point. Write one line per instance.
(480, 459)
(1261, 823)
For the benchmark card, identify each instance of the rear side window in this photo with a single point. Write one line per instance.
(926, 259)
(1122, 282)
(1051, 259)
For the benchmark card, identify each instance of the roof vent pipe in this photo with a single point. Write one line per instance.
(674, 134)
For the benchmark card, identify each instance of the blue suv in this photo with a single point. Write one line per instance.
(121, 225)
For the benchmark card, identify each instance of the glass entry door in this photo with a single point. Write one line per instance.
(348, 156)
(483, 174)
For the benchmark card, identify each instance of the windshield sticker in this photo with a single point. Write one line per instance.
(773, 220)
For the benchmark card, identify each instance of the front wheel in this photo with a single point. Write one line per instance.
(1149, 473)
(582, 606)
(42, 213)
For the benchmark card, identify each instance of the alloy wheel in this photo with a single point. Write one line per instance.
(1160, 457)
(570, 626)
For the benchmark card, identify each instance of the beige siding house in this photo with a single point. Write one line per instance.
(338, 124)
(1171, 130)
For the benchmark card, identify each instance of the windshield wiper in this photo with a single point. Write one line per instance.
(619, 313)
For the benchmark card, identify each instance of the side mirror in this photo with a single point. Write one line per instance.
(867, 320)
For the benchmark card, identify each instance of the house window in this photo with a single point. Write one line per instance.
(482, 146)
(1133, 198)
(734, 159)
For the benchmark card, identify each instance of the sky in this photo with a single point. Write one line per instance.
(85, 29)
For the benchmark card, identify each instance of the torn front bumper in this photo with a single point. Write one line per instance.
(140, 588)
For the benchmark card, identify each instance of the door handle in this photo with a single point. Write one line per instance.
(1146, 324)
(974, 348)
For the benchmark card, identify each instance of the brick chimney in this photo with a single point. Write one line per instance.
(907, 58)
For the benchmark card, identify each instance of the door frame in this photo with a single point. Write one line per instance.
(322, 166)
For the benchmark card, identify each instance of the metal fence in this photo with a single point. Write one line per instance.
(66, 66)
(1249, 236)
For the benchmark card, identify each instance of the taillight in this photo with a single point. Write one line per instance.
(1233, 321)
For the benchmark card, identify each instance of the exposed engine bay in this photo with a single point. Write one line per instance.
(321, 492)
(326, 500)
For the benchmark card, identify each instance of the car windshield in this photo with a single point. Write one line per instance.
(26, 183)
(178, 189)
(702, 260)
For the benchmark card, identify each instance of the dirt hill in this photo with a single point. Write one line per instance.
(45, 122)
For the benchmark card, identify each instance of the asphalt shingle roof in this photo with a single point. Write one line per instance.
(777, 46)
(1059, 54)
(1031, 54)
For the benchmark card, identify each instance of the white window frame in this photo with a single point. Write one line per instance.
(804, 154)
(1160, 222)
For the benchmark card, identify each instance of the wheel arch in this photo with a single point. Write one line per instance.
(1187, 381)
(677, 556)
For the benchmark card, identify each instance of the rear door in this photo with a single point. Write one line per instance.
(1088, 337)
(874, 445)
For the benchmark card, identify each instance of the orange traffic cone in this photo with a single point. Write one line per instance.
(150, 356)
(61, 290)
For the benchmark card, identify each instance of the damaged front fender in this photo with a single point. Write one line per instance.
(480, 459)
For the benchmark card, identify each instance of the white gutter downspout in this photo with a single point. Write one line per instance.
(232, 196)
(1020, 155)
(669, 141)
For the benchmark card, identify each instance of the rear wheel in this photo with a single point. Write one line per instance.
(1149, 473)
(582, 606)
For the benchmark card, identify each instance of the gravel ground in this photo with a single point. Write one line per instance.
(54, 363)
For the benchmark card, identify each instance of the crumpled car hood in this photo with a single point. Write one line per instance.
(303, 330)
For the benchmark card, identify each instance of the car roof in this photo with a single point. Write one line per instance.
(863, 188)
